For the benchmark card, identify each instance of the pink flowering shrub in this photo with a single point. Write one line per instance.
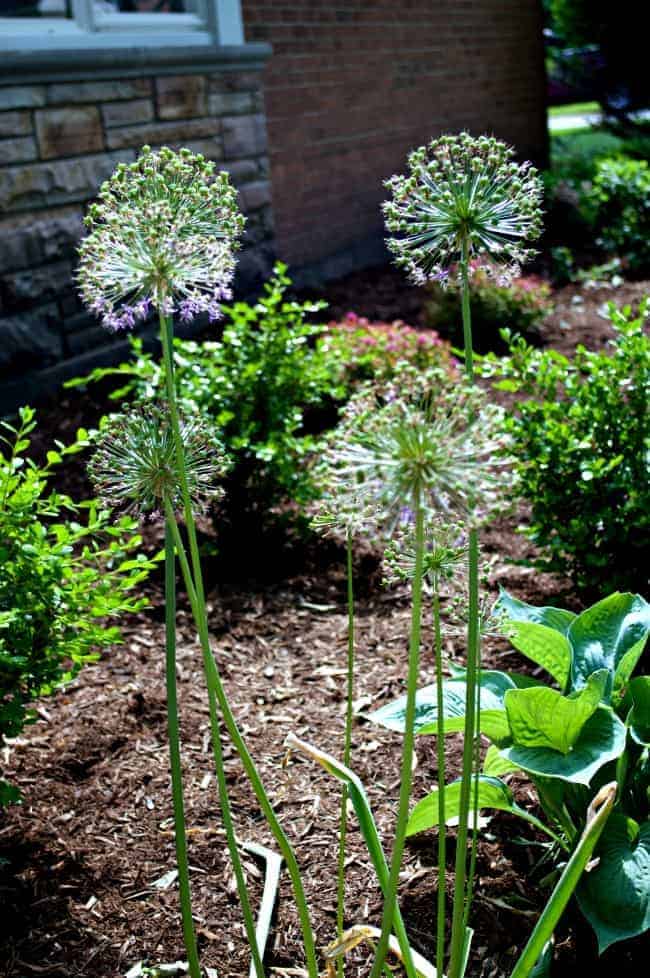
(520, 305)
(368, 350)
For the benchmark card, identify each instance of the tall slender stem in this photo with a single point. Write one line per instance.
(214, 681)
(390, 900)
(442, 828)
(347, 750)
(194, 583)
(167, 333)
(173, 735)
(458, 929)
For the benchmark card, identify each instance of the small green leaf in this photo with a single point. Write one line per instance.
(615, 895)
(542, 717)
(601, 740)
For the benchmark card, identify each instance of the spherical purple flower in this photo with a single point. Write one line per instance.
(163, 237)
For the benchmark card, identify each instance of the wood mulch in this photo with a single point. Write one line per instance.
(83, 860)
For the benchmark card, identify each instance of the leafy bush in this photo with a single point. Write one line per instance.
(59, 578)
(592, 729)
(256, 384)
(520, 306)
(617, 203)
(575, 156)
(375, 351)
(580, 439)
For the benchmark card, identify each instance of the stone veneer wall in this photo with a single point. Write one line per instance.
(58, 141)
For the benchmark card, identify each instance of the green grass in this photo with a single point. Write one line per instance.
(577, 108)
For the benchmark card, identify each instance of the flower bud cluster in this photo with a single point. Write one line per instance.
(163, 234)
(463, 189)
(445, 551)
(135, 466)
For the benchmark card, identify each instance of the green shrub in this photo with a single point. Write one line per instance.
(581, 442)
(617, 203)
(575, 156)
(368, 351)
(59, 578)
(257, 384)
(520, 306)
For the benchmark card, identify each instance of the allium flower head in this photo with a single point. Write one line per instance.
(135, 465)
(162, 237)
(445, 551)
(462, 188)
(422, 441)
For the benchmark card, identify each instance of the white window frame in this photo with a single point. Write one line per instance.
(216, 23)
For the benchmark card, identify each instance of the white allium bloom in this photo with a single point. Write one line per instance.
(425, 440)
(163, 237)
(463, 189)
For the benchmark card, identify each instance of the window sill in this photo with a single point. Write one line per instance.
(65, 52)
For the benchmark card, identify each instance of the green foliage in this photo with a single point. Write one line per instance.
(580, 439)
(256, 385)
(617, 204)
(64, 568)
(575, 156)
(520, 306)
(569, 741)
(376, 351)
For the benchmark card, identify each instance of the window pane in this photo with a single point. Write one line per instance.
(146, 6)
(35, 8)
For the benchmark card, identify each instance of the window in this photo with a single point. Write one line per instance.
(30, 26)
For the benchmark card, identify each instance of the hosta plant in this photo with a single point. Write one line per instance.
(587, 724)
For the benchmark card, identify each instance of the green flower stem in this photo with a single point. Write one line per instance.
(599, 812)
(458, 928)
(166, 329)
(467, 314)
(173, 736)
(442, 828)
(194, 584)
(390, 899)
(214, 681)
(347, 751)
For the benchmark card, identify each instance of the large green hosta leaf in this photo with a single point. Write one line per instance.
(615, 896)
(601, 740)
(609, 635)
(542, 717)
(515, 610)
(494, 686)
(492, 794)
(538, 633)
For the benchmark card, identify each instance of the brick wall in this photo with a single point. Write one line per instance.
(58, 142)
(353, 85)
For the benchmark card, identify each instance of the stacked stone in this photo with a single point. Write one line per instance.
(58, 142)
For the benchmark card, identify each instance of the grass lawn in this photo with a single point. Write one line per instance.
(577, 108)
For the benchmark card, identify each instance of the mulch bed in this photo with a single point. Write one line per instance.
(82, 860)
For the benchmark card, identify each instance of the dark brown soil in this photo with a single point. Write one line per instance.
(78, 894)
